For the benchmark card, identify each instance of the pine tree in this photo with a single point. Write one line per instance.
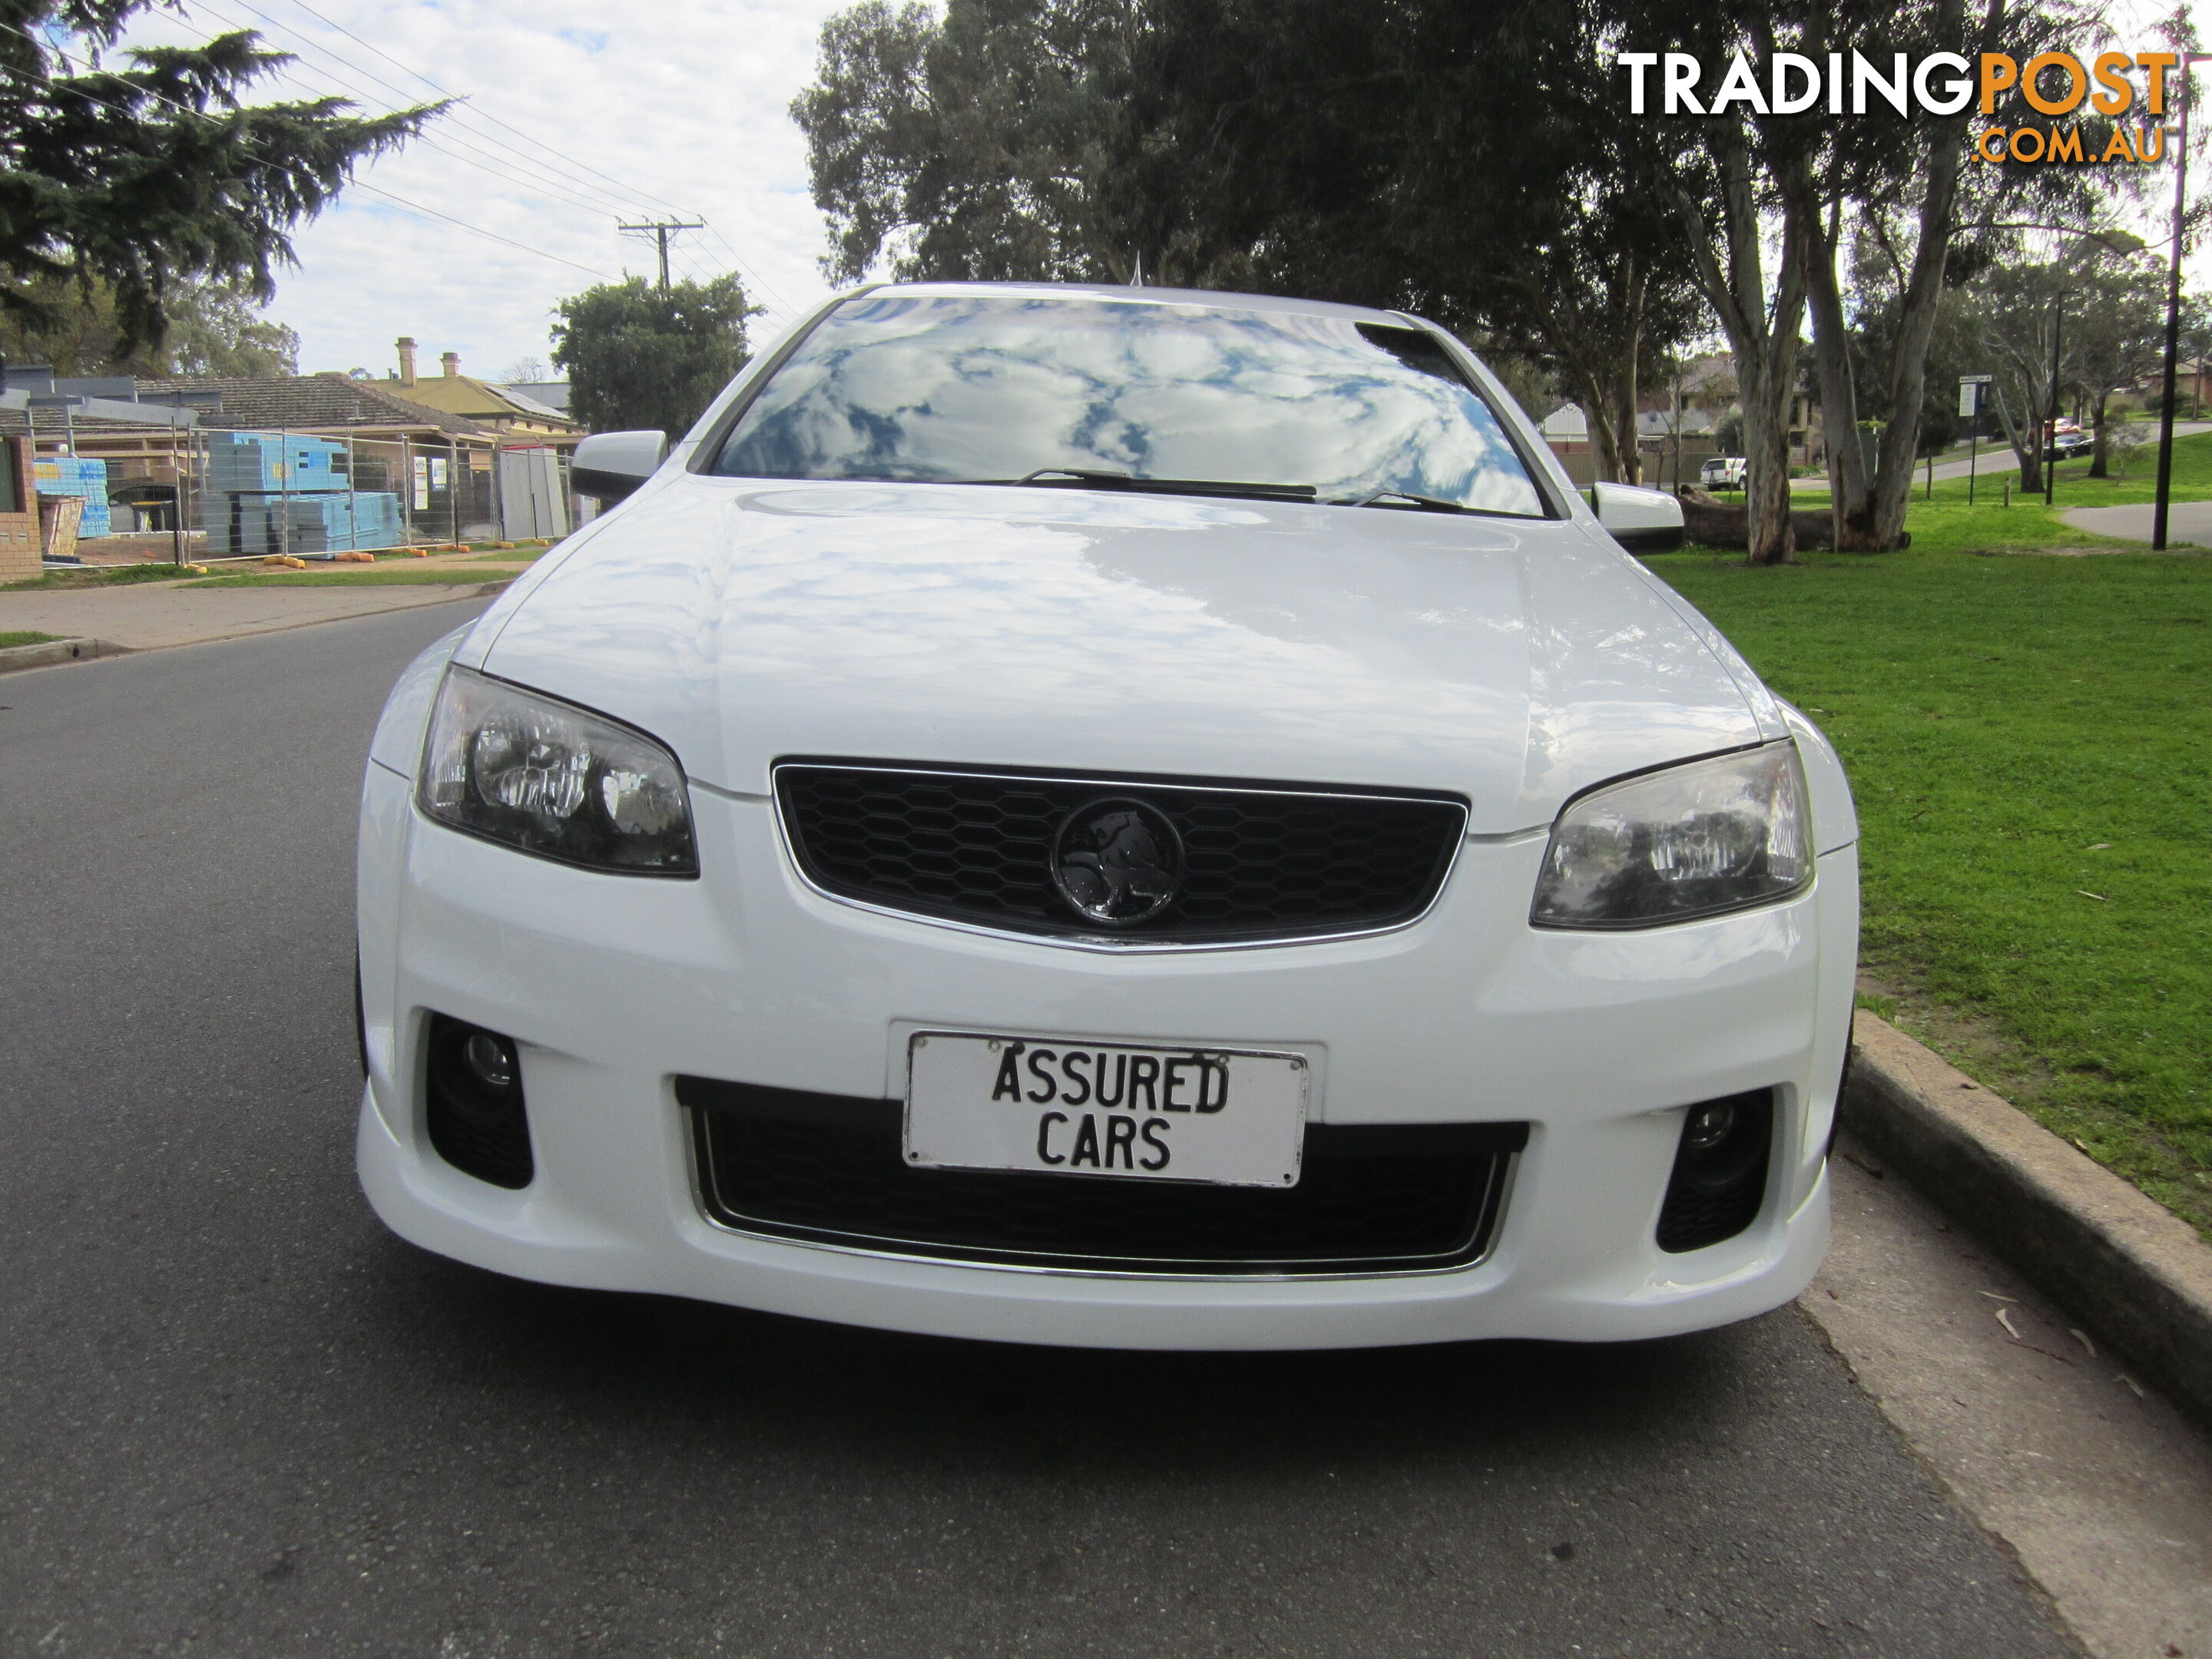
(140, 169)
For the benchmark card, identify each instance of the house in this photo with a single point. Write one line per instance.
(456, 477)
(511, 411)
(553, 394)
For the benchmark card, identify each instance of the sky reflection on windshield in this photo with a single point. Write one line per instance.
(951, 390)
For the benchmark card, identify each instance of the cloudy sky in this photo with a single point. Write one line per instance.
(576, 118)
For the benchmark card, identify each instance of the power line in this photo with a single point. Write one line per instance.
(547, 183)
(759, 282)
(416, 207)
(486, 114)
(496, 165)
(355, 183)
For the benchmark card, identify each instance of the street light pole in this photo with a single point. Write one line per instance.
(2158, 517)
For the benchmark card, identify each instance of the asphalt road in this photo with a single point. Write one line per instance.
(238, 1417)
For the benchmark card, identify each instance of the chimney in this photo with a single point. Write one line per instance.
(406, 361)
(452, 363)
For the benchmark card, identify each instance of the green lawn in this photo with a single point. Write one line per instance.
(25, 636)
(92, 575)
(2030, 741)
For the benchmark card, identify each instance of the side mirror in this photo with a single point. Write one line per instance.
(1641, 520)
(611, 465)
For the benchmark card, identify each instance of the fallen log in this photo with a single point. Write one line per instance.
(1709, 522)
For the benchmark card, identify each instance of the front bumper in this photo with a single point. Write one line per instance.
(614, 986)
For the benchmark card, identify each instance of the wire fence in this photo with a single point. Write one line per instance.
(258, 494)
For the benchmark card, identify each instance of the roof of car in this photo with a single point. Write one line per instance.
(1207, 298)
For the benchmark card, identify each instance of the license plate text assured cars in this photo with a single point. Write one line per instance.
(1224, 1116)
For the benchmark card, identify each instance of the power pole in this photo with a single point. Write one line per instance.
(660, 230)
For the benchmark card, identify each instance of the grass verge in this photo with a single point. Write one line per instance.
(26, 636)
(2029, 743)
(93, 575)
(397, 575)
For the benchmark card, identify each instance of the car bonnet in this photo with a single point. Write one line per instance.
(1512, 661)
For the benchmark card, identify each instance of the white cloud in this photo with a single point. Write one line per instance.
(681, 106)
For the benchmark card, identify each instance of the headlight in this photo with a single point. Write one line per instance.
(554, 780)
(1696, 840)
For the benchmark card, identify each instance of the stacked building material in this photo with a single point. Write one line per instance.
(268, 492)
(69, 474)
(260, 463)
(326, 522)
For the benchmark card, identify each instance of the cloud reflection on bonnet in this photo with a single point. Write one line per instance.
(948, 390)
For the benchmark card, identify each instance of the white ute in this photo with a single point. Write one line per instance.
(1115, 818)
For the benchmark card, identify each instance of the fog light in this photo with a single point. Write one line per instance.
(1709, 1126)
(491, 1059)
(473, 1107)
(1719, 1179)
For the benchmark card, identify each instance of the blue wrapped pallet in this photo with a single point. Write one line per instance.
(256, 463)
(251, 522)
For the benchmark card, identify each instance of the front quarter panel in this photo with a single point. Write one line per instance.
(1835, 819)
(398, 745)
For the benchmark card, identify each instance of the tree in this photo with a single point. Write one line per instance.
(1299, 146)
(155, 174)
(2009, 314)
(214, 329)
(2113, 333)
(1770, 199)
(2119, 338)
(641, 356)
(971, 148)
(1387, 160)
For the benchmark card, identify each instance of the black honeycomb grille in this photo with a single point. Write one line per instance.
(1259, 862)
(826, 1169)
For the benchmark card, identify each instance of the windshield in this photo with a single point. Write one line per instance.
(997, 390)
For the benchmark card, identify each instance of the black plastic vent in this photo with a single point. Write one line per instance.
(1260, 861)
(826, 1169)
(1716, 1191)
(479, 1127)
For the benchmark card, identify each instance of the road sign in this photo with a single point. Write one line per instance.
(1970, 394)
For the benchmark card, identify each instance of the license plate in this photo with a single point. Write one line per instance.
(1230, 1117)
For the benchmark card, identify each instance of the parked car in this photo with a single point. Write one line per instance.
(1114, 818)
(1722, 472)
(2067, 443)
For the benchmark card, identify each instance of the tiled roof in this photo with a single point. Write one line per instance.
(312, 403)
(479, 400)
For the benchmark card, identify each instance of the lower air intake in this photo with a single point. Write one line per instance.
(827, 1168)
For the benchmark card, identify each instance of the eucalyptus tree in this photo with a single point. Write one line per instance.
(135, 170)
(979, 144)
(1419, 154)
(2100, 311)
(1454, 160)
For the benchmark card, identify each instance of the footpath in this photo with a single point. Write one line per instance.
(106, 619)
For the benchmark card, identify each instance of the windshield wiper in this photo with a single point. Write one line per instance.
(1070, 478)
(1406, 502)
(1411, 502)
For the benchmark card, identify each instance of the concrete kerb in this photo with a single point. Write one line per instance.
(2132, 1271)
(47, 653)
